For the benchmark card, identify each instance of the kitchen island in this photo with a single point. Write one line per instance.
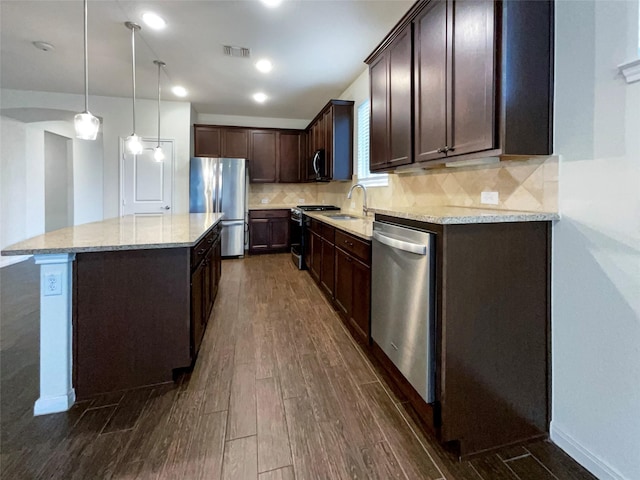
(123, 302)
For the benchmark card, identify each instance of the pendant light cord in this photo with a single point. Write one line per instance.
(86, 60)
(159, 88)
(133, 70)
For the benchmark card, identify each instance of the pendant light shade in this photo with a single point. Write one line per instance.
(158, 154)
(85, 123)
(133, 143)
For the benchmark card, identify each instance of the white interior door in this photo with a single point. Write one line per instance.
(146, 185)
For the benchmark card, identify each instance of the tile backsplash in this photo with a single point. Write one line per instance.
(529, 184)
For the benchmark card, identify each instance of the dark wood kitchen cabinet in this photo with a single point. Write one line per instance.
(275, 156)
(322, 252)
(491, 334)
(331, 131)
(352, 296)
(391, 85)
(482, 82)
(217, 141)
(269, 231)
(155, 302)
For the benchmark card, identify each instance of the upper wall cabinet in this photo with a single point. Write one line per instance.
(226, 142)
(331, 132)
(482, 83)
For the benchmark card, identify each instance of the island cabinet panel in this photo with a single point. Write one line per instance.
(131, 318)
(140, 314)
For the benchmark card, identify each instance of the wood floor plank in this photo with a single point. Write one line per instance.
(204, 458)
(309, 457)
(242, 408)
(128, 410)
(289, 370)
(323, 398)
(285, 473)
(273, 438)
(528, 468)
(491, 467)
(219, 385)
(412, 457)
(265, 356)
(381, 463)
(101, 458)
(558, 462)
(240, 459)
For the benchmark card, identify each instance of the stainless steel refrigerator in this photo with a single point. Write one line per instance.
(218, 185)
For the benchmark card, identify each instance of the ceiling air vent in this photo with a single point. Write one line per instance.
(231, 51)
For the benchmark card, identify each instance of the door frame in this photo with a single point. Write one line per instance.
(121, 158)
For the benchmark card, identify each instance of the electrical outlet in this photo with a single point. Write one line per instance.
(353, 205)
(489, 198)
(301, 200)
(264, 200)
(53, 284)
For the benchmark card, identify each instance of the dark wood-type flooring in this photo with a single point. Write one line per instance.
(279, 391)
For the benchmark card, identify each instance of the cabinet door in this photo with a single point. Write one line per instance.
(327, 280)
(262, 157)
(279, 233)
(472, 113)
(399, 106)
(327, 126)
(315, 265)
(207, 286)
(361, 305)
(430, 82)
(378, 135)
(197, 310)
(206, 141)
(216, 269)
(259, 234)
(235, 143)
(289, 155)
(343, 292)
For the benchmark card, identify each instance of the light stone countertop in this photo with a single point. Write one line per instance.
(131, 232)
(447, 215)
(360, 227)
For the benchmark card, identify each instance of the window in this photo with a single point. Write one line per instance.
(364, 176)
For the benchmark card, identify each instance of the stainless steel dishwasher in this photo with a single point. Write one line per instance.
(402, 302)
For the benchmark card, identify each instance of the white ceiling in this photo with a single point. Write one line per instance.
(317, 48)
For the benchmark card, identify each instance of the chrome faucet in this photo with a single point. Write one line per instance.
(365, 209)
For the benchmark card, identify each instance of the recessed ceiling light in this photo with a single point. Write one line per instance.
(179, 91)
(154, 21)
(264, 65)
(272, 3)
(259, 97)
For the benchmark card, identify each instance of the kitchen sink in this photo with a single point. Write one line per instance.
(341, 216)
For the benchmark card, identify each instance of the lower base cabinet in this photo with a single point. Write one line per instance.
(269, 231)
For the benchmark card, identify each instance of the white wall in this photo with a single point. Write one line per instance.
(596, 245)
(260, 122)
(116, 115)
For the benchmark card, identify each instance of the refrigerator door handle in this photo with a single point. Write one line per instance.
(219, 189)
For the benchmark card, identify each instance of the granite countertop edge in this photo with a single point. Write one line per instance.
(359, 227)
(496, 216)
(10, 251)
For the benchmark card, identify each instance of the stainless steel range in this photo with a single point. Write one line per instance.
(298, 231)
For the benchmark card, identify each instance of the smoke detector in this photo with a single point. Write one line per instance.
(44, 46)
(233, 51)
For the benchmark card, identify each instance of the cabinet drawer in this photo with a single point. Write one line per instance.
(202, 247)
(316, 226)
(327, 232)
(356, 247)
(269, 213)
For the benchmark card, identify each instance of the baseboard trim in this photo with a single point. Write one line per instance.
(6, 261)
(584, 457)
(61, 403)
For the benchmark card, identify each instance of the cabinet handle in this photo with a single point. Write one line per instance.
(442, 150)
(349, 259)
(201, 251)
(210, 240)
(450, 149)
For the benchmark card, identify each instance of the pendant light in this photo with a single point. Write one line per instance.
(158, 154)
(133, 144)
(86, 125)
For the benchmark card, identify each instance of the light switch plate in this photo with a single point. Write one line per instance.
(52, 284)
(490, 198)
(264, 200)
(301, 200)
